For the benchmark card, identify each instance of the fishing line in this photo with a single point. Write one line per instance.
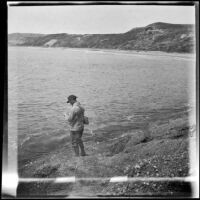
(56, 117)
(66, 124)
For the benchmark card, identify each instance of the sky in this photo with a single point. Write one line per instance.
(91, 19)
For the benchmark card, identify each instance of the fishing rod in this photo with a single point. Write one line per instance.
(57, 111)
(64, 115)
(54, 108)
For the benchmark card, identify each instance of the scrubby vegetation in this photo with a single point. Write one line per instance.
(154, 37)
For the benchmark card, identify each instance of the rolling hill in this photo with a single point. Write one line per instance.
(154, 37)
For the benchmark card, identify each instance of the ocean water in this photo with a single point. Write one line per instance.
(120, 92)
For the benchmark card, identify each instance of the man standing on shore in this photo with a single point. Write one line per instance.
(76, 121)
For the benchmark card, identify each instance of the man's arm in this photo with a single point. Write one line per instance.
(71, 115)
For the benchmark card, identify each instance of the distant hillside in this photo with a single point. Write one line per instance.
(21, 38)
(154, 37)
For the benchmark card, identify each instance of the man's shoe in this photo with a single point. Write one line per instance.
(82, 149)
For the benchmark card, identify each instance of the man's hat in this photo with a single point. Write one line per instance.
(71, 97)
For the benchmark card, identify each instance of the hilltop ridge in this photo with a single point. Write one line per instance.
(158, 36)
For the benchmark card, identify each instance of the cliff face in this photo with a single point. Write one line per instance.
(154, 37)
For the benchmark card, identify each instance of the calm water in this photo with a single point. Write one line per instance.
(118, 91)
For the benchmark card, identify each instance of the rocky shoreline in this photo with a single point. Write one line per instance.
(161, 150)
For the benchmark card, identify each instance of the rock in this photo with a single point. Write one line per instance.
(137, 166)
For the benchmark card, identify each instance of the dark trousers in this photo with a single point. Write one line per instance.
(76, 139)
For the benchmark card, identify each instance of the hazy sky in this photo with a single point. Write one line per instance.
(87, 19)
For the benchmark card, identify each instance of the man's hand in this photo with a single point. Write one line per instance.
(66, 116)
